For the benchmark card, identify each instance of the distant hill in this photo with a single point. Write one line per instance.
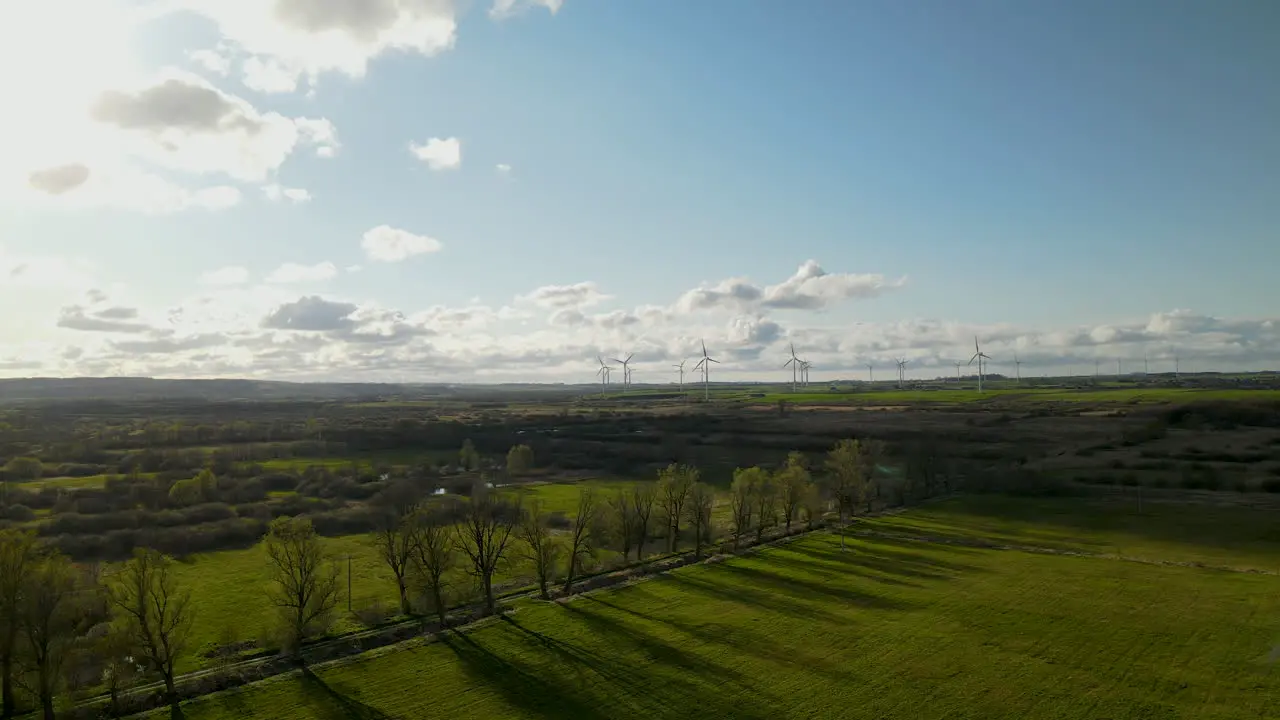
(141, 388)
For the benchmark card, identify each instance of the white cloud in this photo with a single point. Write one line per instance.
(503, 169)
(211, 60)
(230, 275)
(276, 193)
(810, 288)
(268, 76)
(578, 295)
(502, 9)
(296, 273)
(302, 39)
(387, 244)
(438, 153)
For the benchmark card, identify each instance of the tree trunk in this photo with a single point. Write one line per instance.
(488, 593)
(46, 696)
(170, 692)
(6, 666)
(542, 586)
(788, 523)
(675, 535)
(405, 607)
(640, 547)
(568, 580)
(115, 700)
(440, 608)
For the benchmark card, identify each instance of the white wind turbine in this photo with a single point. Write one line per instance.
(804, 372)
(794, 364)
(871, 373)
(1017, 364)
(902, 371)
(626, 371)
(979, 356)
(680, 367)
(705, 365)
(603, 372)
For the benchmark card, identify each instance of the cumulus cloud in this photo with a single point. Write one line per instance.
(578, 295)
(311, 313)
(502, 168)
(60, 179)
(278, 193)
(231, 275)
(439, 153)
(387, 244)
(502, 9)
(810, 288)
(111, 319)
(297, 273)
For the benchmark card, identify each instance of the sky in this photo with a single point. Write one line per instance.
(504, 190)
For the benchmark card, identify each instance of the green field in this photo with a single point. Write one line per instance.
(949, 396)
(889, 629)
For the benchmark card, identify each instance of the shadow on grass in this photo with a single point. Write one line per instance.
(522, 689)
(740, 640)
(803, 589)
(743, 595)
(882, 556)
(335, 705)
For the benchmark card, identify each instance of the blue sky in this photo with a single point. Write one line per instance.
(1069, 180)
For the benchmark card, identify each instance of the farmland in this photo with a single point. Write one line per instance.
(890, 628)
(1135, 493)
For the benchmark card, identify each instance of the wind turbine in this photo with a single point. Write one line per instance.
(1146, 365)
(794, 364)
(902, 371)
(626, 371)
(958, 364)
(871, 374)
(1018, 365)
(680, 367)
(705, 365)
(804, 372)
(1119, 368)
(603, 372)
(979, 356)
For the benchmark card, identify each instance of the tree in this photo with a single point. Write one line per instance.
(579, 537)
(813, 505)
(114, 649)
(24, 468)
(766, 504)
(484, 534)
(642, 498)
(19, 554)
(742, 502)
(433, 554)
(468, 458)
(541, 549)
(154, 613)
(673, 491)
(393, 541)
(849, 471)
(623, 515)
(519, 460)
(792, 482)
(53, 618)
(702, 498)
(307, 581)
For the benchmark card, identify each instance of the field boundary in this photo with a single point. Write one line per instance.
(1040, 550)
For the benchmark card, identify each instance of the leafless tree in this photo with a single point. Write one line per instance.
(850, 467)
(642, 498)
(155, 613)
(484, 534)
(306, 580)
(673, 492)
(19, 554)
(580, 536)
(742, 500)
(766, 504)
(702, 498)
(623, 515)
(540, 546)
(433, 554)
(393, 541)
(53, 618)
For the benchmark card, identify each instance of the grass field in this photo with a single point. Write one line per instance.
(890, 629)
(1120, 395)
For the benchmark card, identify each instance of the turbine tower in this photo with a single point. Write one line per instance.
(958, 364)
(680, 367)
(804, 372)
(705, 365)
(979, 356)
(902, 371)
(626, 371)
(794, 364)
(1018, 365)
(603, 372)
(871, 373)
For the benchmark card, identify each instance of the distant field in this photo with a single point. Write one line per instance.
(1122, 395)
(88, 481)
(890, 629)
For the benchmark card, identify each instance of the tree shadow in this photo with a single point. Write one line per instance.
(745, 643)
(333, 703)
(871, 554)
(519, 687)
(803, 589)
(743, 595)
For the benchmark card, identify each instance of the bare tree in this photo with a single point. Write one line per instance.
(307, 581)
(155, 613)
(18, 556)
(541, 549)
(433, 555)
(673, 491)
(114, 649)
(622, 513)
(813, 504)
(792, 481)
(849, 478)
(53, 618)
(393, 541)
(702, 498)
(484, 534)
(579, 535)
(642, 498)
(742, 500)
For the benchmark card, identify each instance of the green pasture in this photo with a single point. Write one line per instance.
(887, 629)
